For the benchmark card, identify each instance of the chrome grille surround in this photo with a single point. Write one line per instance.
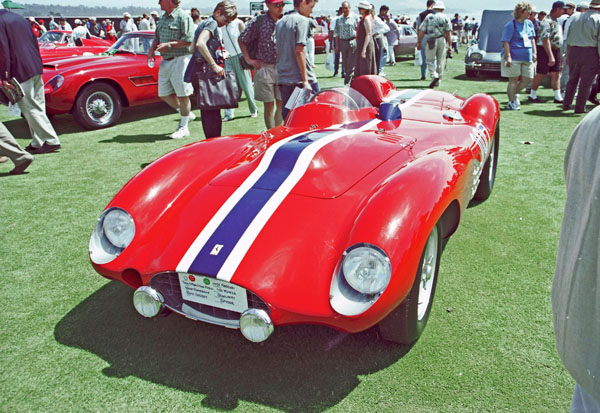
(167, 283)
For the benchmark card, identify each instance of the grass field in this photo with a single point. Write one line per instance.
(71, 340)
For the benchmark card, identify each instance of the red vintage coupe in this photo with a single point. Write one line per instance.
(56, 44)
(95, 88)
(338, 217)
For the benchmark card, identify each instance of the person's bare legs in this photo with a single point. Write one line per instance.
(268, 114)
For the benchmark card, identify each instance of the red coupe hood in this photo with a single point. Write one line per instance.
(333, 169)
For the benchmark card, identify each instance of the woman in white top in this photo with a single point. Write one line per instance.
(230, 34)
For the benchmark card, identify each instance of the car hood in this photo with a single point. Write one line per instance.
(83, 62)
(334, 169)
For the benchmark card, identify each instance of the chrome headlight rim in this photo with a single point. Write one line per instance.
(101, 249)
(113, 232)
(384, 261)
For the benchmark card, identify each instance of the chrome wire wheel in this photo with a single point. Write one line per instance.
(99, 106)
(428, 272)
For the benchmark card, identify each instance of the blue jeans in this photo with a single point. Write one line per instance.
(286, 91)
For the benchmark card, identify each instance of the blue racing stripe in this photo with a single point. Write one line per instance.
(212, 256)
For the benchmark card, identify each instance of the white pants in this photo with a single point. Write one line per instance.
(33, 108)
(436, 58)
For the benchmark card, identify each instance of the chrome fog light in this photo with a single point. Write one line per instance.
(147, 301)
(256, 325)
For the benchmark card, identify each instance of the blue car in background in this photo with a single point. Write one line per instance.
(484, 56)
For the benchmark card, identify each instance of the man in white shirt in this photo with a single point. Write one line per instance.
(80, 32)
(380, 28)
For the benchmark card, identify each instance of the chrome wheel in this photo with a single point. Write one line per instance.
(428, 272)
(99, 106)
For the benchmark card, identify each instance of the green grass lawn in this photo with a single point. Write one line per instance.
(71, 339)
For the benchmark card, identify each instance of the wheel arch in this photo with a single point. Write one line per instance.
(111, 82)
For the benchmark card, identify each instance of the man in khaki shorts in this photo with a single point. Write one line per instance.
(173, 37)
(261, 30)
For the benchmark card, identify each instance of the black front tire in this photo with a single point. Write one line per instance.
(97, 106)
(405, 324)
(488, 174)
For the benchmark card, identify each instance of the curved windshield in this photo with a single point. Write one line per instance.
(131, 43)
(52, 37)
(346, 97)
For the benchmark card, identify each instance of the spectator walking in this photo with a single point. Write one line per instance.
(80, 32)
(127, 25)
(518, 53)
(153, 19)
(20, 58)
(583, 43)
(366, 63)
(261, 32)
(207, 51)
(423, 41)
(231, 33)
(334, 45)
(293, 66)
(345, 29)
(144, 22)
(563, 20)
(381, 47)
(95, 28)
(437, 27)
(392, 37)
(172, 39)
(548, 53)
(11, 148)
(575, 288)
(53, 25)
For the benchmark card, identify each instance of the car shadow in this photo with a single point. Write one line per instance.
(62, 124)
(299, 368)
(547, 112)
(142, 138)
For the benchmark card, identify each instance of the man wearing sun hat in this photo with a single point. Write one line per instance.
(583, 43)
(437, 27)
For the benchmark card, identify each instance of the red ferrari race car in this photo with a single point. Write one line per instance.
(56, 44)
(95, 88)
(336, 218)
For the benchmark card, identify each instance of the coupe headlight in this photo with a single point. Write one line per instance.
(476, 56)
(118, 227)
(367, 269)
(53, 84)
(113, 233)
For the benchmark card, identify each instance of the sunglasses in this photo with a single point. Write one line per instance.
(278, 5)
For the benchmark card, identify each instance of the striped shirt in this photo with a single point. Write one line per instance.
(345, 27)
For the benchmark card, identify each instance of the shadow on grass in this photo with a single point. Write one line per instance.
(145, 138)
(300, 368)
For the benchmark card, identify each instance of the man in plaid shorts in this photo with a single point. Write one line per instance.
(172, 38)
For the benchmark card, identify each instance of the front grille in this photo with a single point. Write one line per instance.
(168, 285)
(490, 66)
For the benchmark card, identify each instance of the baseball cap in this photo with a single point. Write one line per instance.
(77, 21)
(274, 1)
(569, 4)
(558, 5)
(439, 5)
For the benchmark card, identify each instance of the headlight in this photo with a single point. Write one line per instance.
(367, 269)
(476, 56)
(53, 84)
(118, 227)
(359, 281)
(113, 233)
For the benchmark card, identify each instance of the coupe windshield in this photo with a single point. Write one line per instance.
(52, 37)
(133, 43)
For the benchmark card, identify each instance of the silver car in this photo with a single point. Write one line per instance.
(484, 56)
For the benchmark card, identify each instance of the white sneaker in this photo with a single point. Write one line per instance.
(254, 115)
(512, 106)
(227, 118)
(192, 116)
(181, 132)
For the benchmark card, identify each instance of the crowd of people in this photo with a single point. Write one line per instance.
(279, 46)
(564, 45)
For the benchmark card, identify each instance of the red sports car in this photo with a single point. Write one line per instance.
(56, 44)
(337, 218)
(95, 88)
